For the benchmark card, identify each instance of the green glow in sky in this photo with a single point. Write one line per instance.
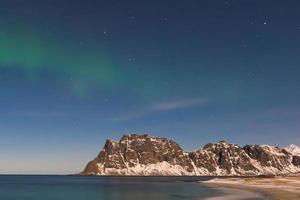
(33, 54)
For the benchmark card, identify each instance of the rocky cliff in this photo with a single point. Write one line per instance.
(143, 155)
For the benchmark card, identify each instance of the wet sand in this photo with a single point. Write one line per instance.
(238, 194)
(277, 188)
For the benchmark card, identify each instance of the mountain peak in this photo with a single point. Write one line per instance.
(293, 149)
(293, 146)
(134, 136)
(145, 155)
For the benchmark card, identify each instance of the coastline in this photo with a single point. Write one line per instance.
(231, 193)
(277, 188)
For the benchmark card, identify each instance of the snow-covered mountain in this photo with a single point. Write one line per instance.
(294, 149)
(144, 155)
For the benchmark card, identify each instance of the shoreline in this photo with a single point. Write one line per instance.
(277, 188)
(256, 192)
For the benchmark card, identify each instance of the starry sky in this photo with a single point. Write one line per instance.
(73, 73)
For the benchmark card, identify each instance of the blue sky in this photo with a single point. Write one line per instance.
(73, 74)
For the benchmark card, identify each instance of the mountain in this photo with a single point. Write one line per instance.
(144, 155)
(293, 149)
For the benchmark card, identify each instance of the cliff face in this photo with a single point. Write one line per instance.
(143, 155)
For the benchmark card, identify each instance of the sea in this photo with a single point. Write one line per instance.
(41, 187)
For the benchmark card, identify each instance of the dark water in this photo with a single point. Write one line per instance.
(104, 188)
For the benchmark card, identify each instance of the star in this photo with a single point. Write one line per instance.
(165, 20)
(245, 46)
(249, 74)
(227, 4)
(265, 22)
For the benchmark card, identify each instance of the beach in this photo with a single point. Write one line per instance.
(276, 188)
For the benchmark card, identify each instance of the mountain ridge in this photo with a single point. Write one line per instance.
(145, 155)
(293, 149)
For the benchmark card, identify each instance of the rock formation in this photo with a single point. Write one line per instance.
(144, 155)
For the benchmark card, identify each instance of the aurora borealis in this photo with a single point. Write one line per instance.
(73, 73)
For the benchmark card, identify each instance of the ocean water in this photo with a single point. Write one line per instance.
(15, 187)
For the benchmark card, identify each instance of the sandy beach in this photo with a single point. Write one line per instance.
(277, 188)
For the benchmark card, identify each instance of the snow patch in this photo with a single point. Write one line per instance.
(293, 149)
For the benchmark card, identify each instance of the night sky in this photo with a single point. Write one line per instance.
(73, 73)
